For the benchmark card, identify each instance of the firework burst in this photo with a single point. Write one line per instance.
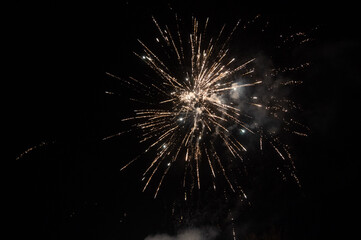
(207, 104)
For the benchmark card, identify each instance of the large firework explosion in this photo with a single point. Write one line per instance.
(204, 107)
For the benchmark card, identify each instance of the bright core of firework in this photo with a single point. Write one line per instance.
(195, 78)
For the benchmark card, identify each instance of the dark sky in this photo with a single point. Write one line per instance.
(72, 188)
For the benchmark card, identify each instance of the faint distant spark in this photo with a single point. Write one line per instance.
(200, 98)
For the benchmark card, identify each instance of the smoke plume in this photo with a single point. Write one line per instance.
(187, 234)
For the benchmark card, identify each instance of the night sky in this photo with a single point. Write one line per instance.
(73, 189)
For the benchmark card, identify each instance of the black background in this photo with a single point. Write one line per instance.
(72, 188)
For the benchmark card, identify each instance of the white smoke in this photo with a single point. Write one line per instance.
(236, 91)
(188, 234)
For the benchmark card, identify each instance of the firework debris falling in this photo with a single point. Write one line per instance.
(32, 148)
(202, 96)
